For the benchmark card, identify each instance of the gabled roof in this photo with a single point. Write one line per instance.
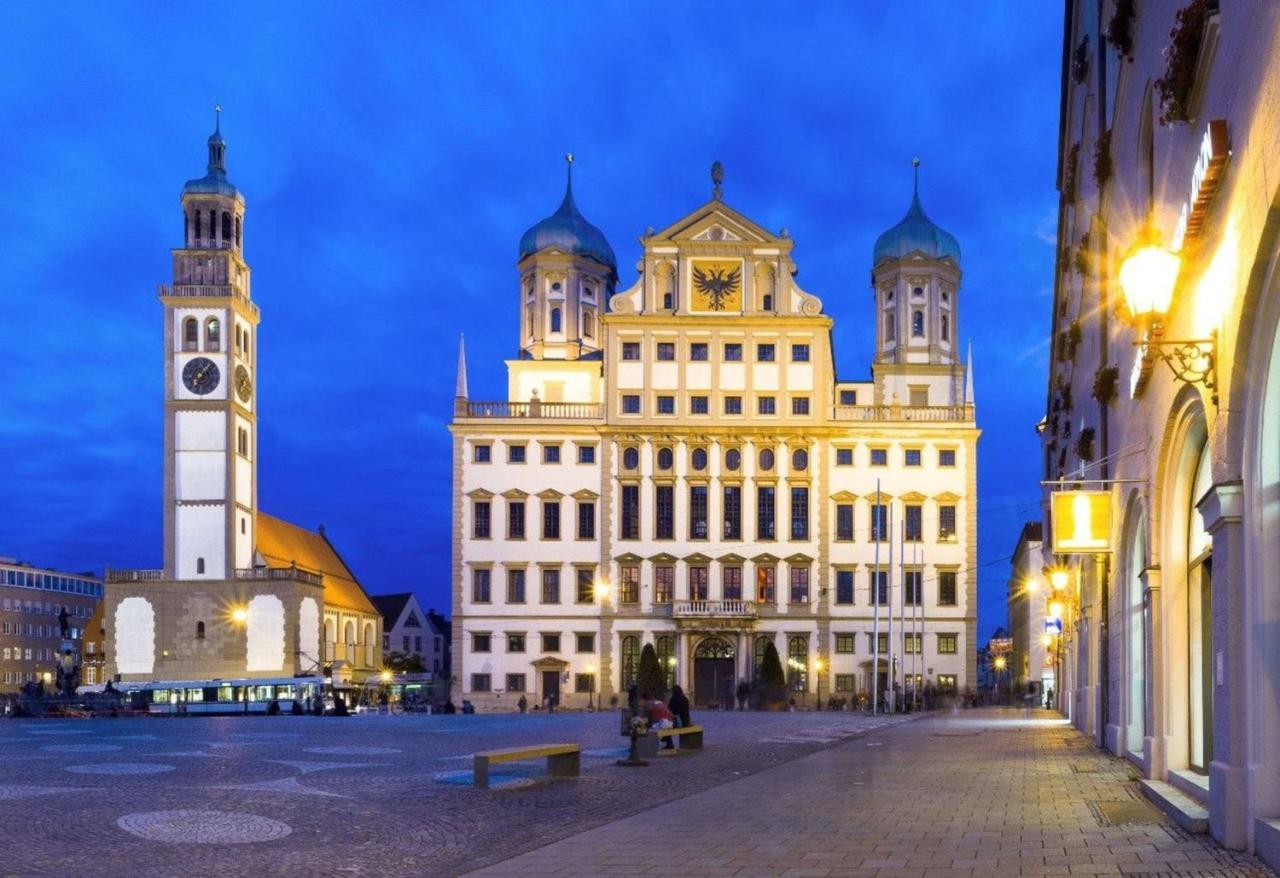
(747, 228)
(391, 606)
(282, 544)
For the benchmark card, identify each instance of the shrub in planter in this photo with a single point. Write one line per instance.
(1104, 383)
(649, 676)
(772, 682)
(1120, 29)
(1181, 56)
(1102, 159)
(1084, 444)
(1069, 173)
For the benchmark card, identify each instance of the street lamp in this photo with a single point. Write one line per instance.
(1058, 578)
(818, 666)
(239, 617)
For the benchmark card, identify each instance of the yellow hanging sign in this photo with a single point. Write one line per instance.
(1081, 522)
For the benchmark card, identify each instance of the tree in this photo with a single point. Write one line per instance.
(772, 682)
(649, 678)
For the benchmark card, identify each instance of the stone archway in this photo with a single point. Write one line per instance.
(714, 678)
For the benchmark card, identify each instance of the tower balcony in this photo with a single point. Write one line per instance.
(205, 291)
(914, 413)
(713, 610)
(536, 410)
(134, 575)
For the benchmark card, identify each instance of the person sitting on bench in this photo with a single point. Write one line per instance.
(661, 718)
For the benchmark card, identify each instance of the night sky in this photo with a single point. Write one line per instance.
(391, 156)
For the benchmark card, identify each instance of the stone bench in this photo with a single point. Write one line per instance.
(690, 736)
(563, 760)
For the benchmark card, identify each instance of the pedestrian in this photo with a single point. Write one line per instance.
(679, 707)
(523, 704)
(633, 699)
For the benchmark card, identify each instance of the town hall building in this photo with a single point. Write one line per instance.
(678, 464)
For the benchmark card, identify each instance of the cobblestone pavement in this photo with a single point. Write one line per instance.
(981, 793)
(364, 796)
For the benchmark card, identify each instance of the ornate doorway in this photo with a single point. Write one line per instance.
(713, 672)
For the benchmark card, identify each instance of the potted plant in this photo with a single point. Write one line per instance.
(773, 683)
(1181, 57)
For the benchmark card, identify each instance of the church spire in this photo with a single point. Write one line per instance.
(217, 146)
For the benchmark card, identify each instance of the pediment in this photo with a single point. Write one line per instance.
(628, 558)
(731, 558)
(585, 494)
(480, 494)
(697, 558)
(663, 558)
(701, 223)
(515, 494)
(913, 497)
(947, 497)
(550, 494)
(844, 497)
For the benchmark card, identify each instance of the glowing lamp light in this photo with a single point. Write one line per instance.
(602, 589)
(1147, 278)
(818, 665)
(1046, 639)
(239, 615)
(1032, 585)
(386, 676)
(1000, 663)
(671, 661)
(1055, 610)
(1059, 579)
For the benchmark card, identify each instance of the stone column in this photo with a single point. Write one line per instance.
(1155, 744)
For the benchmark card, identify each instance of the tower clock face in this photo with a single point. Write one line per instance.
(244, 384)
(200, 375)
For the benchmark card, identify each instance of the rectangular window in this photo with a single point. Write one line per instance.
(765, 512)
(480, 520)
(844, 457)
(631, 404)
(733, 512)
(664, 579)
(551, 519)
(629, 586)
(845, 643)
(879, 457)
(586, 454)
(515, 454)
(481, 643)
(914, 529)
(666, 351)
(666, 405)
(631, 350)
(947, 682)
(844, 682)
(844, 587)
(664, 520)
(800, 405)
(551, 585)
(733, 352)
(765, 353)
(584, 585)
(515, 585)
(878, 644)
(733, 405)
(799, 513)
(515, 643)
(584, 684)
(515, 682)
(480, 593)
(551, 454)
(767, 585)
(911, 457)
(481, 683)
(550, 642)
(515, 519)
(586, 520)
(848, 397)
(629, 527)
(698, 405)
(844, 522)
(946, 457)
(799, 585)
(585, 642)
(911, 587)
(947, 644)
(879, 522)
(799, 353)
(946, 523)
(698, 351)
(731, 583)
(699, 589)
(698, 512)
(946, 588)
(880, 587)
(481, 453)
(766, 405)
(911, 644)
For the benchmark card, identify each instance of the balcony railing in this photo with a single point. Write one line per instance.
(203, 291)
(134, 575)
(903, 413)
(714, 610)
(296, 573)
(547, 411)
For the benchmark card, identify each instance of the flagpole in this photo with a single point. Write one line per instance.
(902, 607)
(890, 704)
(875, 604)
(917, 665)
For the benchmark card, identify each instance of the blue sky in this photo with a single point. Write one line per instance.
(391, 156)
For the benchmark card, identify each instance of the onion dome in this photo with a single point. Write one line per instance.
(916, 233)
(214, 182)
(568, 230)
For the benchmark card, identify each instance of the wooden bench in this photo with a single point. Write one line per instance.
(690, 736)
(562, 760)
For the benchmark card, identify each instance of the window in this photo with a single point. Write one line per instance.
(799, 513)
(550, 642)
(630, 659)
(481, 683)
(698, 459)
(515, 682)
(480, 520)
(799, 353)
(947, 644)
(631, 404)
(585, 642)
(911, 587)
(480, 585)
(631, 350)
(844, 682)
(515, 585)
(946, 328)
(666, 351)
(764, 512)
(666, 405)
(733, 512)
(889, 328)
(917, 292)
(947, 682)
(698, 351)
(480, 643)
(515, 454)
(199, 631)
(584, 585)
(766, 405)
(946, 523)
(551, 585)
(846, 643)
(880, 587)
(584, 683)
(798, 664)
(668, 301)
(586, 520)
(555, 320)
(799, 585)
(515, 519)
(698, 405)
(515, 643)
(699, 589)
(481, 453)
(911, 457)
(731, 583)
(848, 397)
(732, 460)
(766, 460)
(917, 324)
(844, 457)
(551, 519)
(912, 644)
(733, 405)
(664, 577)
(588, 323)
(551, 454)
(664, 526)
(879, 457)
(914, 529)
(844, 587)
(586, 454)
(631, 458)
(698, 512)
(946, 457)
(766, 302)
(199, 565)
(665, 458)
(799, 460)
(242, 441)
(629, 526)
(765, 353)
(879, 522)
(629, 586)
(212, 334)
(226, 227)
(733, 352)
(918, 397)
(800, 405)
(878, 644)
(844, 522)
(946, 588)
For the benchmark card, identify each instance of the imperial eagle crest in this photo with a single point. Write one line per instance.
(718, 284)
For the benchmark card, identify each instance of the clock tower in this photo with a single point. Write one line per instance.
(211, 351)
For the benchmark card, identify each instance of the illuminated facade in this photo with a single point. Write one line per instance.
(676, 464)
(1171, 651)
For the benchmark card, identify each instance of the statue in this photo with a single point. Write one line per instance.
(717, 179)
(63, 621)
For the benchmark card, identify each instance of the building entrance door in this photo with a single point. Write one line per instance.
(551, 687)
(713, 675)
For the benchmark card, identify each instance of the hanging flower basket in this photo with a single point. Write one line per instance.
(1102, 159)
(1104, 384)
(1181, 56)
(1120, 29)
(1084, 444)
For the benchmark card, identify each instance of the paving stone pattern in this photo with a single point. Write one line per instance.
(982, 793)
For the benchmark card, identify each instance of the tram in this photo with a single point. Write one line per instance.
(218, 697)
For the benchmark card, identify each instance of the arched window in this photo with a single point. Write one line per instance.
(199, 228)
(761, 647)
(917, 324)
(588, 323)
(199, 565)
(237, 338)
(890, 329)
(199, 631)
(800, 460)
(630, 659)
(226, 228)
(666, 648)
(237, 233)
(245, 341)
(668, 301)
(212, 334)
(190, 334)
(699, 459)
(946, 328)
(186, 229)
(798, 664)
(665, 458)
(555, 320)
